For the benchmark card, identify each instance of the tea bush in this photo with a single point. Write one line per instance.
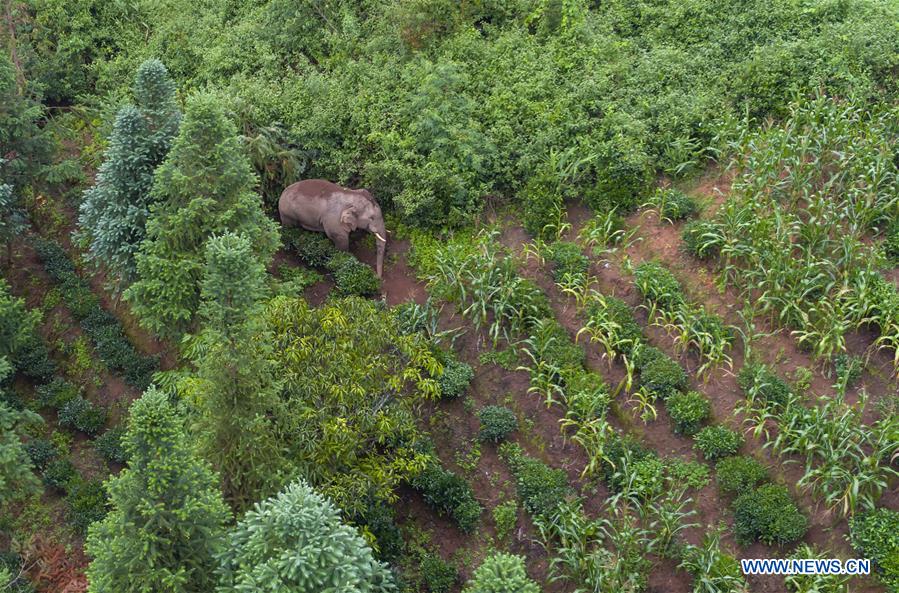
(716, 442)
(875, 535)
(438, 575)
(57, 393)
(505, 517)
(315, 249)
(41, 452)
(456, 378)
(540, 487)
(352, 277)
(83, 415)
(110, 445)
(663, 377)
(450, 495)
(59, 474)
(759, 381)
(739, 474)
(658, 285)
(768, 514)
(497, 422)
(673, 204)
(891, 242)
(688, 411)
(501, 573)
(567, 259)
(87, 503)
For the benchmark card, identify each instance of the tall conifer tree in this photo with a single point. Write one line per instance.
(204, 188)
(237, 392)
(114, 212)
(168, 516)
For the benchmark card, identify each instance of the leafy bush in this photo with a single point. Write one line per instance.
(543, 207)
(663, 377)
(111, 446)
(59, 474)
(80, 414)
(41, 452)
(875, 535)
(688, 411)
(438, 575)
(586, 393)
(620, 449)
(658, 285)
(673, 204)
(768, 514)
(540, 487)
(352, 277)
(501, 573)
(496, 423)
(716, 442)
(315, 249)
(505, 516)
(567, 259)
(87, 503)
(739, 474)
(456, 378)
(701, 239)
(758, 381)
(450, 495)
(692, 473)
(57, 393)
(20, 342)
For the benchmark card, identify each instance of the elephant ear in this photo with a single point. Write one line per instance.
(348, 219)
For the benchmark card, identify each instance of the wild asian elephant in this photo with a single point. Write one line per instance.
(325, 207)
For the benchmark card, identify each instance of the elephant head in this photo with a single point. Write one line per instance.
(363, 212)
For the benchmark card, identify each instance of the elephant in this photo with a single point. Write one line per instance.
(322, 206)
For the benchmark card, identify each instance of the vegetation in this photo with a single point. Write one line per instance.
(183, 408)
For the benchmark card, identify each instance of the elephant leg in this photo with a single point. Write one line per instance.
(340, 240)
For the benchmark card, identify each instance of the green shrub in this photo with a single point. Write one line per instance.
(716, 442)
(57, 393)
(615, 318)
(587, 394)
(567, 259)
(688, 411)
(768, 514)
(875, 535)
(505, 517)
(59, 474)
(82, 415)
(542, 204)
(450, 495)
(540, 487)
(739, 474)
(663, 377)
(315, 249)
(497, 422)
(501, 573)
(760, 382)
(692, 473)
(352, 277)
(848, 369)
(87, 503)
(438, 575)
(658, 285)
(618, 450)
(891, 242)
(456, 378)
(41, 452)
(33, 359)
(701, 239)
(673, 204)
(110, 445)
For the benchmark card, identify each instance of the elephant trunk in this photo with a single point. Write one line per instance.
(381, 242)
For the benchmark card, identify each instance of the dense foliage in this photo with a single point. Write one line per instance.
(768, 514)
(876, 535)
(295, 542)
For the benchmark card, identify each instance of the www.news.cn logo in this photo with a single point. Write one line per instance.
(808, 566)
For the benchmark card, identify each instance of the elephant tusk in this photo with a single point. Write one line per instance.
(380, 238)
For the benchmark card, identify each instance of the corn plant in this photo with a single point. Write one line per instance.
(713, 570)
(815, 583)
(605, 234)
(793, 233)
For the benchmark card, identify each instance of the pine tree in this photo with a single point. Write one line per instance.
(237, 392)
(12, 219)
(167, 518)
(16, 476)
(295, 542)
(205, 187)
(114, 212)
